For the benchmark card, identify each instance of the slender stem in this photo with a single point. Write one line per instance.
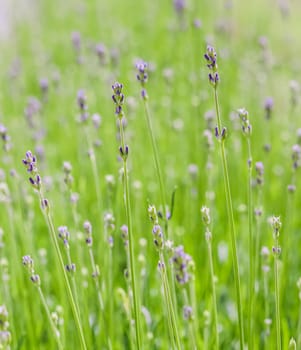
(251, 250)
(194, 307)
(169, 304)
(157, 164)
(232, 225)
(213, 293)
(266, 306)
(73, 281)
(276, 277)
(299, 327)
(53, 327)
(97, 286)
(67, 284)
(127, 204)
(191, 330)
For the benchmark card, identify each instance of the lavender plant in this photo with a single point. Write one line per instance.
(118, 99)
(247, 131)
(276, 225)
(205, 212)
(221, 133)
(142, 77)
(30, 162)
(158, 239)
(28, 263)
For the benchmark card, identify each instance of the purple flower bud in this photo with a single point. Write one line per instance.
(81, 100)
(76, 40)
(268, 106)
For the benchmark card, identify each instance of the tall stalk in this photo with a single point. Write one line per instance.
(221, 132)
(276, 225)
(118, 99)
(29, 265)
(208, 236)
(142, 76)
(31, 164)
(169, 301)
(247, 130)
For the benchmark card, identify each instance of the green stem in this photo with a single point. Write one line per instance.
(169, 304)
(232, 225)
(276, 277)
(213, 293)
(73, 281)
(299, 327)
(53, 327)
(191, 330)
(97, 286)
(157, 164)
(251, 250)
(127, 204)
(63, 270)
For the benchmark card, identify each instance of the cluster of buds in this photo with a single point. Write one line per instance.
(268, 107)
(5, 335)
(259, 173)
(142, 77)
(118, 99)
(187, 313)
(211, 59)
(157, 229)
(276, 225)
(44, 86)
(100, 50)
(68, 178)
(205, 212)
(125, 235)
(27, 261)
(88, 230)
(245, 123)
(30, 163)
(220, 135)
(109, 222)
(183, 265)
(5, 138)
(296, 156)
(82, 104)
(64, 235)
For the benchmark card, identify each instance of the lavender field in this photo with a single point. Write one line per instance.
(149, 174)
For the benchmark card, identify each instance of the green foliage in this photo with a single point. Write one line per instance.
(258, 48)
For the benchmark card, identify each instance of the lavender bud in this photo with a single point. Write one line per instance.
(36, 280)
(260, 172)
(87, 227)
(211, 58)
(296, 156)
(276, 225)
(158, 236)
(181, 262)
(27, 261)
(142, 68)
(71, 268)
(187, 313)
(81, 100)
(205, 211)
(125, 235)
(268, 106)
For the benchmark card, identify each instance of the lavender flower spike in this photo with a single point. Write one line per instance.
(211, 59)
(142, 75)
(182, 263)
